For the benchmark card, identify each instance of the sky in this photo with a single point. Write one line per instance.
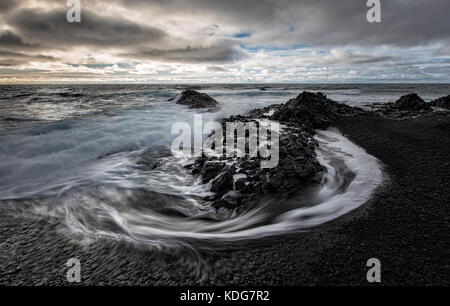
(224, 41)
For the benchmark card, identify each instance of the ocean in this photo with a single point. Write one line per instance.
(82, 153)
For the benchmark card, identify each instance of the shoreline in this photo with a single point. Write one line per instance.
(405, 225)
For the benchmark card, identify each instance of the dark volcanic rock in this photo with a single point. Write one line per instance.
(312, 109)
(238, 181)
(194, 99)
(410, 105)
(223, 183)
(411, 102)
(243, 180)
(443, 102)
(210, 170)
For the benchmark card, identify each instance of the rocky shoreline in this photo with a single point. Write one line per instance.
(239, 182)
(405, 225)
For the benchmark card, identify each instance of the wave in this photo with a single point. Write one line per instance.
(166, 209)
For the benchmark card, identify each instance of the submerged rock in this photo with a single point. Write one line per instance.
(443, 102)
(195, 99)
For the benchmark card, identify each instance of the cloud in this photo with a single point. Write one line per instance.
(6, 5)
(129, 39)
(11, 40)
(343, 57)
(216, 69)
(52, 28)
(222, 53)
(233, 40)
(319, 22)
(11, 58)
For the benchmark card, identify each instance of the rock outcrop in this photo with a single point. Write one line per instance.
(195, 99)
(411, 102)
(443, 102)
(407, 106)
(238, 181)
(313, 110)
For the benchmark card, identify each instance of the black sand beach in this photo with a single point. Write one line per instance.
(405, 225)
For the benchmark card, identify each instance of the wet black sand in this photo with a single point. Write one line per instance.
(406, 225)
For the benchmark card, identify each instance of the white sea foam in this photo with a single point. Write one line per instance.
(351, 179)
(95, 173)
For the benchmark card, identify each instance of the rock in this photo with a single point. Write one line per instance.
(151, 157)
(443, 102)
(194, 99)
(241, 183)
(311, 109)
(407, 106)
(298, 166)
(228, 201)
(411, 102)
(211, 170)
(223, 183)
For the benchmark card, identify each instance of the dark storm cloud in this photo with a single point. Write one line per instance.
(281, 23)
(11, 58)
(320, 22)
(221, 53)
(137, 41)
(18, 55)
(6, 5)
(51, 28)
(11, 40)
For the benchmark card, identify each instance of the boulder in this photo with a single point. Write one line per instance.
(408, 106)
(195, 99)
(311, 109)
(223, 183)
(443, 102)
(411, 102)
(211, 170)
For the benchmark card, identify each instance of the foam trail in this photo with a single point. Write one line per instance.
(352, 177)
(86, 156)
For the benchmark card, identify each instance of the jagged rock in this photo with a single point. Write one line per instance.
(265, 112)
(411, 102)
(211, 170)
(407, 106)
(314, 110)
(194, 99)
(443, 102)
(223, 183)
(241, 183)
(298, 166)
